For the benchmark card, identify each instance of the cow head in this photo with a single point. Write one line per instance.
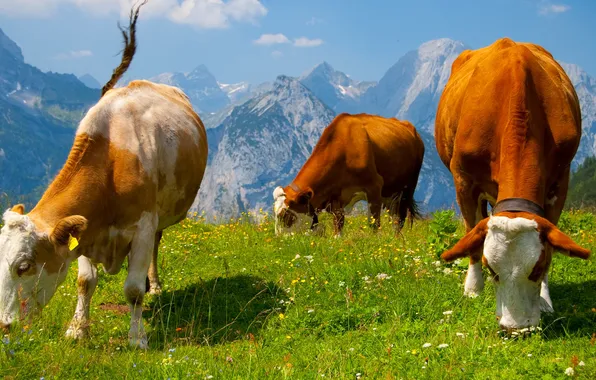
(291, 210)
(517, 251)
(33, 262)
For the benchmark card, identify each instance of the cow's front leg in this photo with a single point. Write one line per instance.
(373, 195)
(338, 217)
(546, 304)
(86, 284)
(134, 286)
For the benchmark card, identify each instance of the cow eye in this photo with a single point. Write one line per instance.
(24, 268)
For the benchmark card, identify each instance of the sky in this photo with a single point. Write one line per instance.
(256, 40)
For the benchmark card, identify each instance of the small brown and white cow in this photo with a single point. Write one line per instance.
(134, 169)
(358, 157)
(508, 125)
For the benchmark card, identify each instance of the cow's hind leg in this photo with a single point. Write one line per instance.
(86, 284)
(134, 286)
(154, 284)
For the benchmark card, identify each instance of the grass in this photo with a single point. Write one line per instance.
(241, 303)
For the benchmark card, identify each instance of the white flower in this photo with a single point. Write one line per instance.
(309, 259)
(457, 262)
(383, 276)
(581, 364)
(437, 263)
(461, 335)
(569, 371)
(341, 284)
(529, 355)
(448, 312)
(426, 345)
(297, 257)
(447, 271)
(311, 311)
(443, 345)
(358, 375)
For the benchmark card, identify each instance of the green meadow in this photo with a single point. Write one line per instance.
(239, 302)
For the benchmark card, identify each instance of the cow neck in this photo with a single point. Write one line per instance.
(80, 186)
(521, 170)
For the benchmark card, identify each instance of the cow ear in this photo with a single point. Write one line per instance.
(71, 226)
(19, 209)
(562, 242)
(305, 197)
(469, 243)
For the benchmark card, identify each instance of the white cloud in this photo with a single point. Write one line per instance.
(271, 39)
(546, 8)
(277, 54)
(207, 14)
(74, 54)
(305, 42)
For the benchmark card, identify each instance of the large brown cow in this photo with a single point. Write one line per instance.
(134, 169)
(508, 125)
(358, 157)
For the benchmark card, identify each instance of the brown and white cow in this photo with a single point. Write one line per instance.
(508, 125)
(358, 157)
(135, 167)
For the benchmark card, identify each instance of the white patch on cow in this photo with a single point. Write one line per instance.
(37, 286)
(474, 280)
(512, 247)
(551, 201)
(123, 113)
(546, 304)
(357, 197)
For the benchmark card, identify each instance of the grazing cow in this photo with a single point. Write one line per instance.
(358, 157)
(508, 125)
(135, 167)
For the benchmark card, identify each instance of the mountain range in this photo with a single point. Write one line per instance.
(259, 135)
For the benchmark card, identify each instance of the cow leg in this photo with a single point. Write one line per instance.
(338, 217)
(553, 207)
(373, 195)
(134, 286)
(469, 207)
(154, 284)
(86, 283)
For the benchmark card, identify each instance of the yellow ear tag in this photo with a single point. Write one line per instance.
(72, 242)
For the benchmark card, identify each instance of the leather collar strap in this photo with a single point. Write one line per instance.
(295, 187)
(518, 205)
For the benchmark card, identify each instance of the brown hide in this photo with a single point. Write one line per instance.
(359, 153)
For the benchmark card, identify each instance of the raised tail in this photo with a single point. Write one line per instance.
(130, 47)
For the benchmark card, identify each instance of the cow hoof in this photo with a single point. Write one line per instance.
(76, 333)
(471, 293)
(155, 290)
(139, 342)
(546, 306)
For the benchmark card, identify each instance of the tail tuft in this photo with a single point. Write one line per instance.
(130, 47)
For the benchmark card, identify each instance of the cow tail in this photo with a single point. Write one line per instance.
(130, 47)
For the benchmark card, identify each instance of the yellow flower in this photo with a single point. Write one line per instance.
(282, 316)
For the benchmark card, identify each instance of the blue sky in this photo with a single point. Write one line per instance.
(256, 40)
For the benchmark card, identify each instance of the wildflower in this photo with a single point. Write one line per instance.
(309, 258)
(443, 345)
(383, 276)
(581, 364)
(297, 257)
(342, 284)
(229, 359)
(172, 350)
(529, 355)
(5, 340)
(288, 337)
(569, 371)
(447, 271)
(426, 345)
(282, 316)
(311, 311)
(437, 263)
(448, 312)
(358, 375)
